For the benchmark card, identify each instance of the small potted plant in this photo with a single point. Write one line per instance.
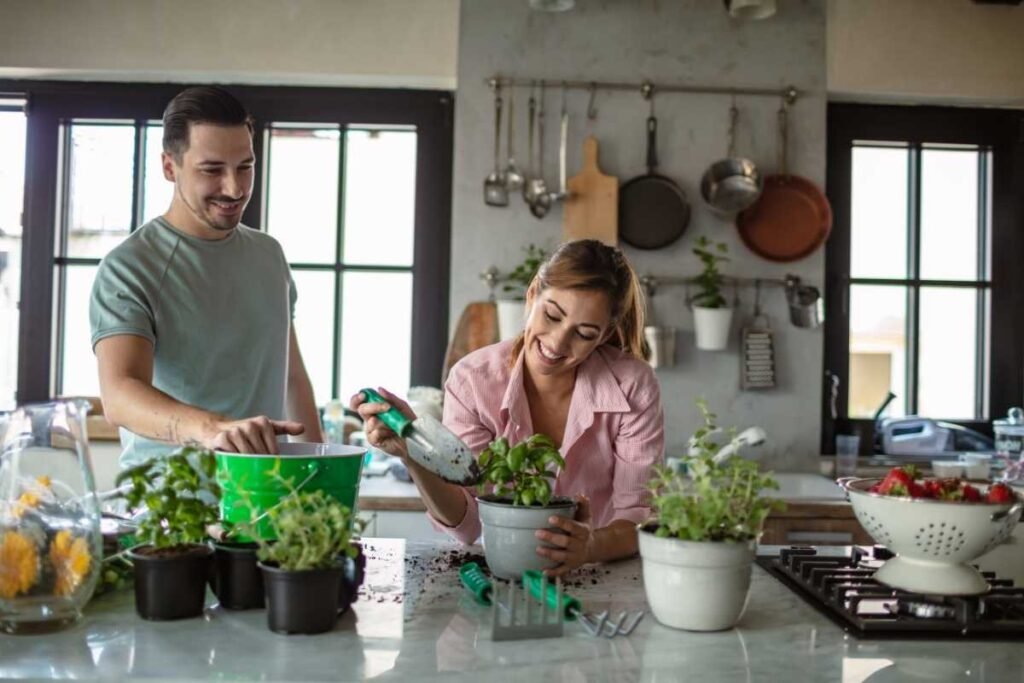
(712, 317)
(519, 502)
(698, 549)
(308, 567)
(511, 308)
(172, 560)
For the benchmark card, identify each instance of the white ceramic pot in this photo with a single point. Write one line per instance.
(697, 586)
(511, 317)
(712, 326)
(510, 544)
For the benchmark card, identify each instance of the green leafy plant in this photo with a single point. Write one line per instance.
(312, 530)
(522, 472)
(518, 281)
(709, 282)
(718, 501)
(180, 493)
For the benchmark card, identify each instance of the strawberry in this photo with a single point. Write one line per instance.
(933, 488)
(971, 494)
(897, 482)
(915, 490)
(1000, 493)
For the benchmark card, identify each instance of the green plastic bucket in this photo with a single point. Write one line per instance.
(251, 483)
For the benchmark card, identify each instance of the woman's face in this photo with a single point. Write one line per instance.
(563, 328)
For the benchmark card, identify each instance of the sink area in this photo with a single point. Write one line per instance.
(800, 485)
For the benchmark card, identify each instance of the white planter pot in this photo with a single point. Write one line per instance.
(510, 545)
(697, 586)
(511, 317)
(712, 327)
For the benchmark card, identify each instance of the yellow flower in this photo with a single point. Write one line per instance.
(44, 481)
(71, 560)
(26, 500)
(19, 564)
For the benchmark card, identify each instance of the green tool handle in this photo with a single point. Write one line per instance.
(532, 580)
(475, 582)
(392, 418)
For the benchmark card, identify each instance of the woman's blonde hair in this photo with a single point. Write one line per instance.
(595, 266)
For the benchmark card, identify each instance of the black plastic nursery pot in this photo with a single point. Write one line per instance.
(354, 570)
(304, 601)
(237, 580)
(170, 583)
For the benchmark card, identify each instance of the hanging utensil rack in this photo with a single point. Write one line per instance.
(788, 93)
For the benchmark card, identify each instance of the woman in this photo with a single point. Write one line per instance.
(577, 374)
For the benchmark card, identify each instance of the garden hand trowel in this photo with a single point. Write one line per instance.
(431, 444)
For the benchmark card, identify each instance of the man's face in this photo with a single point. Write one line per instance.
(213, 182)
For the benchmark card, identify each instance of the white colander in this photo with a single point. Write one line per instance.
(933, 540)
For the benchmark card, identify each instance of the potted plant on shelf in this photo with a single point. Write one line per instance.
(698, 549)
(172, 559)
(712, 317)
(511, 308)
(310, 569)
(519, 503)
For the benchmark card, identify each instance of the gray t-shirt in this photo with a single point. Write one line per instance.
(218, 313)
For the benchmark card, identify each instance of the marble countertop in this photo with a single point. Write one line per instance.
(414, 622)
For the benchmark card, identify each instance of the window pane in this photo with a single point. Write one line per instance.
(302, 197)
(314, 326)
(380, 197)
(878, 346)
(949, 214)
(948, 351)
(80, 375)
(100, 175)
(373, 354)
(878, 212)
(157, 191)
(12, 189)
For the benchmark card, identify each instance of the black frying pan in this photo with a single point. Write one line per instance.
(653, 210)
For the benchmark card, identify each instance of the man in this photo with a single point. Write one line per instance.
(192, 314)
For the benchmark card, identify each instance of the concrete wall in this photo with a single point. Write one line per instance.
(685, 41)
(385, 43)
(941, 51)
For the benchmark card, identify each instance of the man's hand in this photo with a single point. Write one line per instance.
(573, 547)
(251, 435)
(378, 434)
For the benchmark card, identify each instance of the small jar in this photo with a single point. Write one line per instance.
(1009, 442)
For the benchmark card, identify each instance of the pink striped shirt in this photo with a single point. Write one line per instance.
(614, 435)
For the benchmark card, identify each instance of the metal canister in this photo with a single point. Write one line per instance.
(1009, 434)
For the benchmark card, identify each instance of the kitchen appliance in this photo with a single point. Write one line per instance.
(839, 581)
(653, 209)
(934, 541)
(431, 444)
(921, 437)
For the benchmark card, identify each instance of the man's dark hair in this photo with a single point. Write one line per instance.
(201, 104)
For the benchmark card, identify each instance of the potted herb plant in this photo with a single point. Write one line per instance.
(519, 503)
(511, 308)
(698, 550)
(712, 316)
(172, 559)
(308, 568)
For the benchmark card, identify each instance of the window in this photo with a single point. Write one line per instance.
(359, 201)
(922, 279)
(12, 188)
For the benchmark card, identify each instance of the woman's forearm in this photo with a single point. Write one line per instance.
(616, 541)
(445, 502)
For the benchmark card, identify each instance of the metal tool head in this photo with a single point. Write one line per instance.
(517, 615)
(436, 448)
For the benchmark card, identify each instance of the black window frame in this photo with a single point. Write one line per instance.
(52, 103)
(999, 131)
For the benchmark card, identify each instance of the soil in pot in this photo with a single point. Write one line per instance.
(510, 543)
(170, 583)
(302, 601)
(237, 580)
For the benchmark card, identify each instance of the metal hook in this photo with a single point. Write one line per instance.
(647, 91)
(494, 83)
(591, 109)
(757, 298)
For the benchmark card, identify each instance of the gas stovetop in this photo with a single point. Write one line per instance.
(839, 582)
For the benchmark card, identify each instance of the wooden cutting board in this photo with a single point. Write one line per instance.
(592, 208)
(477, 327)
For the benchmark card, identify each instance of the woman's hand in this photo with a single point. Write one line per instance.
(573, 547)
(378, 434)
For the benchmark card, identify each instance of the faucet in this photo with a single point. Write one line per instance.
(751, 436)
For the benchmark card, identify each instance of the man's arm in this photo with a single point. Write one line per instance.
(131, 401)
(301, 403)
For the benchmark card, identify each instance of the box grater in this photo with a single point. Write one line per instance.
(757, 349)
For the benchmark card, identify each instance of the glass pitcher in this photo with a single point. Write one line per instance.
(50, 542)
